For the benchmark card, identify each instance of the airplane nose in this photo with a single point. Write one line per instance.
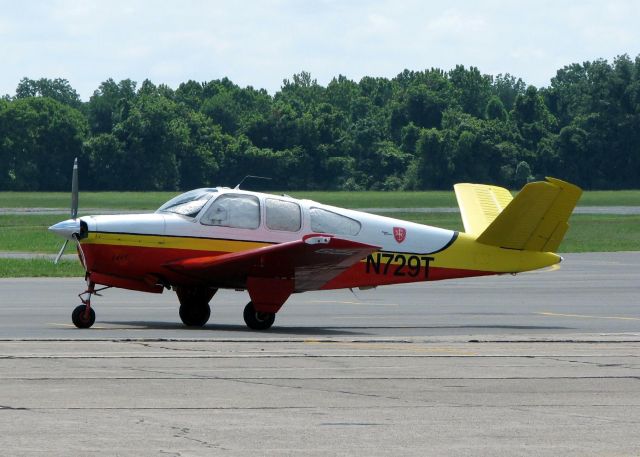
(66, 229)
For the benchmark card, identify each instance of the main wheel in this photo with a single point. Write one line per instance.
(194, 305)
(195, 296)
(257, 320)
(81, 319)
(195, 315)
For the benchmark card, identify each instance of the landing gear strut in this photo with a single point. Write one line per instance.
(257, 320)
(194, 305)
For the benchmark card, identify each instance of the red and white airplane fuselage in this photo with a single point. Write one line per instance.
(273, 246)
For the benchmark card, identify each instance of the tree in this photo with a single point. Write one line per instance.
(433, 168)
(507, 88)
(57, 89)
(110, 104)
(150, 144)
(39, 139)
(473, 89)
(523, 174)
(533, 118)
(495, 109)
(420, 129)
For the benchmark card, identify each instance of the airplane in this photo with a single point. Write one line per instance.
(274, 245)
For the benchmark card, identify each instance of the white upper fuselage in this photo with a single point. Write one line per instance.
(389, 234)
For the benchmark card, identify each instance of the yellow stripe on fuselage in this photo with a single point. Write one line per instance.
(467, 254)
(171, 242)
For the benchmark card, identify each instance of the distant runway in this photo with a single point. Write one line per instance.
(544, 364)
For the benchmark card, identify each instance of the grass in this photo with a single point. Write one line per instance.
(152, 200)
(432, 199)
(111, 200)
(602, 233)
(23, 268)
(610, 198)
(28, 232)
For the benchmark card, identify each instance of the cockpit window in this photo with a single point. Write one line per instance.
(233, 210)
(188, 204)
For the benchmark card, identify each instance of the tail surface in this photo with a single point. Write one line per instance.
(535, 220)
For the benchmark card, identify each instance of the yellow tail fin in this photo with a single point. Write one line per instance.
(480, 205)
(535, 220)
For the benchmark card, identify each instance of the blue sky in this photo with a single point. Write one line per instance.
(260, 43)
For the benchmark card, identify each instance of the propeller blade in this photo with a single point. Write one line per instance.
(61, 251)
(74, 190)
(82, 258)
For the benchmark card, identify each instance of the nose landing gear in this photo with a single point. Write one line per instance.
(83, 316)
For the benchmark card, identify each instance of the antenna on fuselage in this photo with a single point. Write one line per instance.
(252, 177)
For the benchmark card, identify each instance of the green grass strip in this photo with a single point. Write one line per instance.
(152, 200)
(39, 268)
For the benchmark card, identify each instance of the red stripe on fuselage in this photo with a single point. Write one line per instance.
(357, 276)
(138, 262)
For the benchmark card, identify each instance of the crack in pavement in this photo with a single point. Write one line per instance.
(277, 408)
(12, 408)
(597, 364)
(183, 433)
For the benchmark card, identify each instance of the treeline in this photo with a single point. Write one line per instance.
(419, 130)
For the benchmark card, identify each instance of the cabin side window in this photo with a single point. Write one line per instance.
(323, 221)
(235, 211)
(283, 215)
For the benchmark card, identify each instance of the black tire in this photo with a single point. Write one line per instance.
(80, 319)
(195, 296)
(195, 316)
(257, 320)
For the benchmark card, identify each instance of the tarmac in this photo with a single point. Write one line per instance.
(544, 363)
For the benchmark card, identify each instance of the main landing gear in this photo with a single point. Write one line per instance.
(257, 320)
(194, 305)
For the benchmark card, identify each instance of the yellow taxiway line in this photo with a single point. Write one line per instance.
(585, 316)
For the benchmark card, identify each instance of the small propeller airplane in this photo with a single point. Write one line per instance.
(273, 246)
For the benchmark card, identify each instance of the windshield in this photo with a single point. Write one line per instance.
(188, 204)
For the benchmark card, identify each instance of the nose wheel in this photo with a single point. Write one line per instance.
(83, 316)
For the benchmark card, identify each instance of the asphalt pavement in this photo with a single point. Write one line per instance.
(542, 363)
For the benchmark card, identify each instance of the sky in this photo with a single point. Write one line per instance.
(260, 43)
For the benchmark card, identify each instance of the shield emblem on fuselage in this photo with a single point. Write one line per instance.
(399, 234)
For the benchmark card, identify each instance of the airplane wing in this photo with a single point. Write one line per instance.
(311, 262)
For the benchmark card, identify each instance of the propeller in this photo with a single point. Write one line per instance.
(74, 205)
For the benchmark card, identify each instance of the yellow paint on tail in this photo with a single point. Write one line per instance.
(535, 220)
(480, 205)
